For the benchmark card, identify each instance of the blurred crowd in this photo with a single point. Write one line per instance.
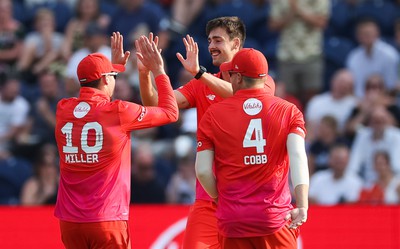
(341, 69)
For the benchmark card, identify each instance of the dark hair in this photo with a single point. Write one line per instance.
(233, 26)
(93, 84)
(250, 81)
(385, 155)
(366, 20)
(78, 8)
(330, 121)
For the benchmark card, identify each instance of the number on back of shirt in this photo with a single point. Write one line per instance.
(254, 136)
(98, 144)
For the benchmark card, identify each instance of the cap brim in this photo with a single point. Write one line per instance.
(118, 68)
(225, 67)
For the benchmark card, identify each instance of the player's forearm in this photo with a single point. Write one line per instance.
(166, 98)
(317, 21)
(277, 24)
(208, 182)
(220, 87)
(148, 93)
(298, 160)
(204, 172)
(301, 193)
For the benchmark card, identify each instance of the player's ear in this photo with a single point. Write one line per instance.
(106, 80)
(236, 43)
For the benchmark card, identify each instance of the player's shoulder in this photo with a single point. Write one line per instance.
(66, 101)
(282, 106)
(282, 103)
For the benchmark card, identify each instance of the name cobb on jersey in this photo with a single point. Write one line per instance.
(255, 159)
(254, 133)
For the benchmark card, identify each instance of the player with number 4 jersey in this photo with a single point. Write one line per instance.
(94, 143)
(250, 138)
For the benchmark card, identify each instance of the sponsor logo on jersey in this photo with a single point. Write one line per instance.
(211, 96)
(252, 106)
(140, 118)
(81, 110)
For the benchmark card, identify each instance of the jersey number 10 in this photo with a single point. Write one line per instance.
(67, 131)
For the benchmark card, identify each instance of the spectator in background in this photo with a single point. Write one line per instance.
(95, 41)
(300, 59)
(327, 137)
(375, 95)
(182, 187)
(338, 103)
(41, 46)
(372, 56)
(33, 3)
(385, 189)
(125, 91)
(145, 187)
(11, 37)
(86, 12)
(14, 111)
(132, 69)
(183, 13)
(379, 135)
(133, 13)
(333, 186)
(43, 114)
(14, 172)
(280, 91)
(41, 188)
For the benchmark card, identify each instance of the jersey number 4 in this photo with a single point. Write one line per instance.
(255, 127)
(98, 145)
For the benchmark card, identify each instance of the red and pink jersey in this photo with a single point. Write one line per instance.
(200, 96)
(248, 133)
(94, 144)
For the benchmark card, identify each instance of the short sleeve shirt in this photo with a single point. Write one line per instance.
(248, 133)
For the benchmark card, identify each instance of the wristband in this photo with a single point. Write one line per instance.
(200, 73)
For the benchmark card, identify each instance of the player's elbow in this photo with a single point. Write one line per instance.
(174, 115)
(202, 173)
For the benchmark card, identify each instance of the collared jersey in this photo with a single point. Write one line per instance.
(94, 144)
(248, 133)
(200, 96)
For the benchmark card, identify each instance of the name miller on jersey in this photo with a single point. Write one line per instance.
(81, 158)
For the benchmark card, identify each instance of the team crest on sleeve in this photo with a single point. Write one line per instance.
(301, 130)
(252, 106)
(81, 110)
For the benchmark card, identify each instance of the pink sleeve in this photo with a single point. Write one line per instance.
(134, 116)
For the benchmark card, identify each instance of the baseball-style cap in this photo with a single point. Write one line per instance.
(94, 66)
(249, 62)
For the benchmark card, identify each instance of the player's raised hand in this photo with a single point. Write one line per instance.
(191, 63)
(118, 56)
(297, 217)
(149, 55)
(140, 66)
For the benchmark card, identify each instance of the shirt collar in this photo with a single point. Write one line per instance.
(93, 93)
(269, 89)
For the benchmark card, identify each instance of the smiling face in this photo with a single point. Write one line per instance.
(221, 48)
